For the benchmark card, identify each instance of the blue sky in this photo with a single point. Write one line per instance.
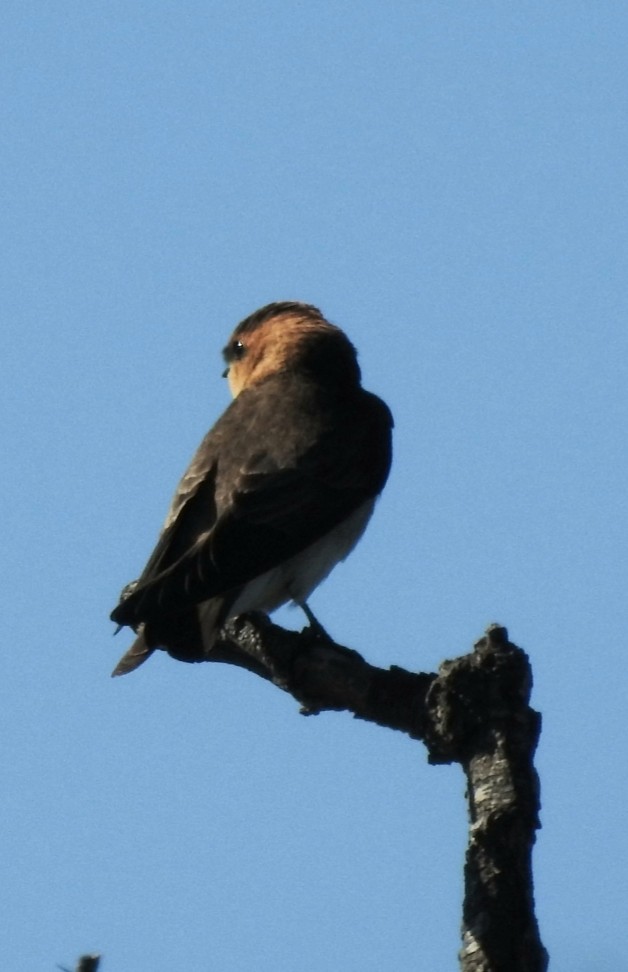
(448, 182)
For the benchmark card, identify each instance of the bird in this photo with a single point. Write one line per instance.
(278, 492)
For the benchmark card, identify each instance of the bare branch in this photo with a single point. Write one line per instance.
(475, 712)
(322, 675)
(86, 963)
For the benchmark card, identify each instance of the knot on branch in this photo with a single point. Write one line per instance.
(478, 691)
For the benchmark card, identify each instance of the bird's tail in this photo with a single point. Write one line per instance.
(134, 657)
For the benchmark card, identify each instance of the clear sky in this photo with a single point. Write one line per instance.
(448, 181)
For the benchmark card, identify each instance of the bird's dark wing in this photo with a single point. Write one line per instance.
(283, 466)
(191, 515)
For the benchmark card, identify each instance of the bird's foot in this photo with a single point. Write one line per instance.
(316, 628)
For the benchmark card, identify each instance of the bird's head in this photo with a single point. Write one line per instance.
(289, 336)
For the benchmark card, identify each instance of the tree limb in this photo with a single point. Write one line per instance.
(322, 675)
(86, 963)
(475, 711)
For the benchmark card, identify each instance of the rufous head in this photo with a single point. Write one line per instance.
(288, 336)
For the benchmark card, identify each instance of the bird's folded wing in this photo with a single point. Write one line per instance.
(271, 518)
(235, 516)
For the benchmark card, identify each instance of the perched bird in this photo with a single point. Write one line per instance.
(278, 492)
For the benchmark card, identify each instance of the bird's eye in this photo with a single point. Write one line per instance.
(234, 351)
(237, 350)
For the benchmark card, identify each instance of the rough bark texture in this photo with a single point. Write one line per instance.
(475, 711)
(482, 720)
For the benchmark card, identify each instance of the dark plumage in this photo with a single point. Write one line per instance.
(278, 492)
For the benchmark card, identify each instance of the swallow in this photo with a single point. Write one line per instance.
(279, 491)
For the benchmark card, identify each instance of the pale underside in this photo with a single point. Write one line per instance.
(292, 580)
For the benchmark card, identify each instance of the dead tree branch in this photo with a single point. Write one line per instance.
(475, 711)
(86, 963)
